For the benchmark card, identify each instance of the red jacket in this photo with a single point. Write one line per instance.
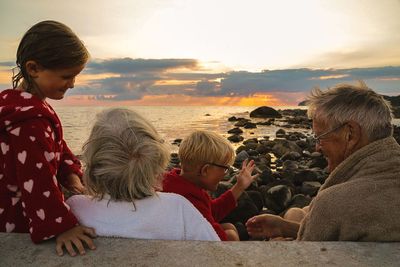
(34, 161)
(214, 210)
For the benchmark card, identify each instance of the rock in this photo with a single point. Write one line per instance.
(235, 138)
(257, 198)
(284, 146)
(221, 188)
(207, 114)
(233, 118)
(290, 166)
(242, 231)
(319, 162)
(265, 112)
(310, 188)
(266, 177)
(251, 146)
(243, 155)
(235, 131)
(305, 176)
(277, 198)
(245, 210)
(299, 201)
(262, 149)
(250, 125)
(280, 133)
(292, 155)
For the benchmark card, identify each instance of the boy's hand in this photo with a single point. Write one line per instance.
(244, 178)
(74, 237)
(74, 184)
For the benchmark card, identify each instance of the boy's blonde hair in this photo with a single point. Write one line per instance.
(124, 156)
(202, 147)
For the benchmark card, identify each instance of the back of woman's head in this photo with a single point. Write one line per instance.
(52, 45)
(124, 156)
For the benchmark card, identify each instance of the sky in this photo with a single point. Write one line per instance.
(216, 52)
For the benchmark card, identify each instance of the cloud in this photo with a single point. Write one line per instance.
(129, 65)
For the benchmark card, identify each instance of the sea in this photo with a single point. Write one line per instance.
(172, 122)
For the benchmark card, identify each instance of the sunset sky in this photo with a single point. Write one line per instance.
(216, 52)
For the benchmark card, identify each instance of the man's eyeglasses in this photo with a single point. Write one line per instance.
(226, 168)
(319, 137)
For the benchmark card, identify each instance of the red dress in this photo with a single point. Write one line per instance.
(34, 161)
(214, 210)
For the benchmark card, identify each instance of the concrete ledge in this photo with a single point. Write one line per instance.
(18, 250)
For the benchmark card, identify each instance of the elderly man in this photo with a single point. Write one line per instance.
(360, 200)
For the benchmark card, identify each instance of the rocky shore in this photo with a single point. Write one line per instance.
(291, 171)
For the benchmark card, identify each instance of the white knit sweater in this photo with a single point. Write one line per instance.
(164, 216)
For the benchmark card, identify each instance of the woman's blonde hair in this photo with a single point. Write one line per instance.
(124, 156)
(202, 147)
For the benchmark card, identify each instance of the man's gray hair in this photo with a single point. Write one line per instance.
(346, 102)
(124, 156)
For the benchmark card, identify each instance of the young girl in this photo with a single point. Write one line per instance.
(35, 159)
(125, 158)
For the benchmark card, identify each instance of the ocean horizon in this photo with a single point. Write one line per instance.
(172, 122)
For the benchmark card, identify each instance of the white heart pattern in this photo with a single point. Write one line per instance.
(46, 193)
(1, 211)
(28, 185)
(32, 138)
(26, 108)
(7, 122)
(22, 156)
(66, 205)
(12, 188)
(14, 200)
(26, 95)
(55, 180)
(46, 134)
(49, 155)
(59, 219)
(40, 214)
(4, 148)
(16, 131)
(10, 227)
(69, 162)
(1, 176)
(30, 230)
(39, 165)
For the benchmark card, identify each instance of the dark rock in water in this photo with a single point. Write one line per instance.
(282, 147)
(257, 198)
(310, 188)
(252, 153)
(235, 138)
(292, 137)
(240, 149)
(251, 140)
(243, 155)
(302, 144)
(290, 166)
(245, 210)
(293, 155)
(233, 118)
(300, 201)
(222, 188)
(305, 176)
(280, 133)
(262, 149)
(266, 177)
(241, 228)
(316, 155)
(277, 198)
(250, 145)
(319, 162)
(241, 122)
(207, 114)
(250, 125)
(235, 131)
(265, 112)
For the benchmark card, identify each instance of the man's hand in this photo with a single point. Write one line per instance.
(271, 226)
(74, 237)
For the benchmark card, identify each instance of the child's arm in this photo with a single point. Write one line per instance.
(244, 178)
(70, 173)
(36, 169)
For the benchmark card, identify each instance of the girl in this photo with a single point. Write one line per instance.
(125, 159)
(35, 159)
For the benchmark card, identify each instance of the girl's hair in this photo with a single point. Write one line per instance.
(201, 147)
(345, 102)
(50, 44)
(124, 156)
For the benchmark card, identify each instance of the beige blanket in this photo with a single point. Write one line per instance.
(360, 200)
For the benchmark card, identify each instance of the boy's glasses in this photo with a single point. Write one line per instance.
(321, 136)
(226, 168)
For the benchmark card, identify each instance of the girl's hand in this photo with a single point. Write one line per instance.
(74, 237)
(74, 184)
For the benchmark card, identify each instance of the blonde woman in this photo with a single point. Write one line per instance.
(124, 160)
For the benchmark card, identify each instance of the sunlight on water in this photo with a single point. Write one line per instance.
(171, 122)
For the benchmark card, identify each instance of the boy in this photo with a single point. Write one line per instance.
(205, 159)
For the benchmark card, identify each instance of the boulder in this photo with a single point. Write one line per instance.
(265, 112)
